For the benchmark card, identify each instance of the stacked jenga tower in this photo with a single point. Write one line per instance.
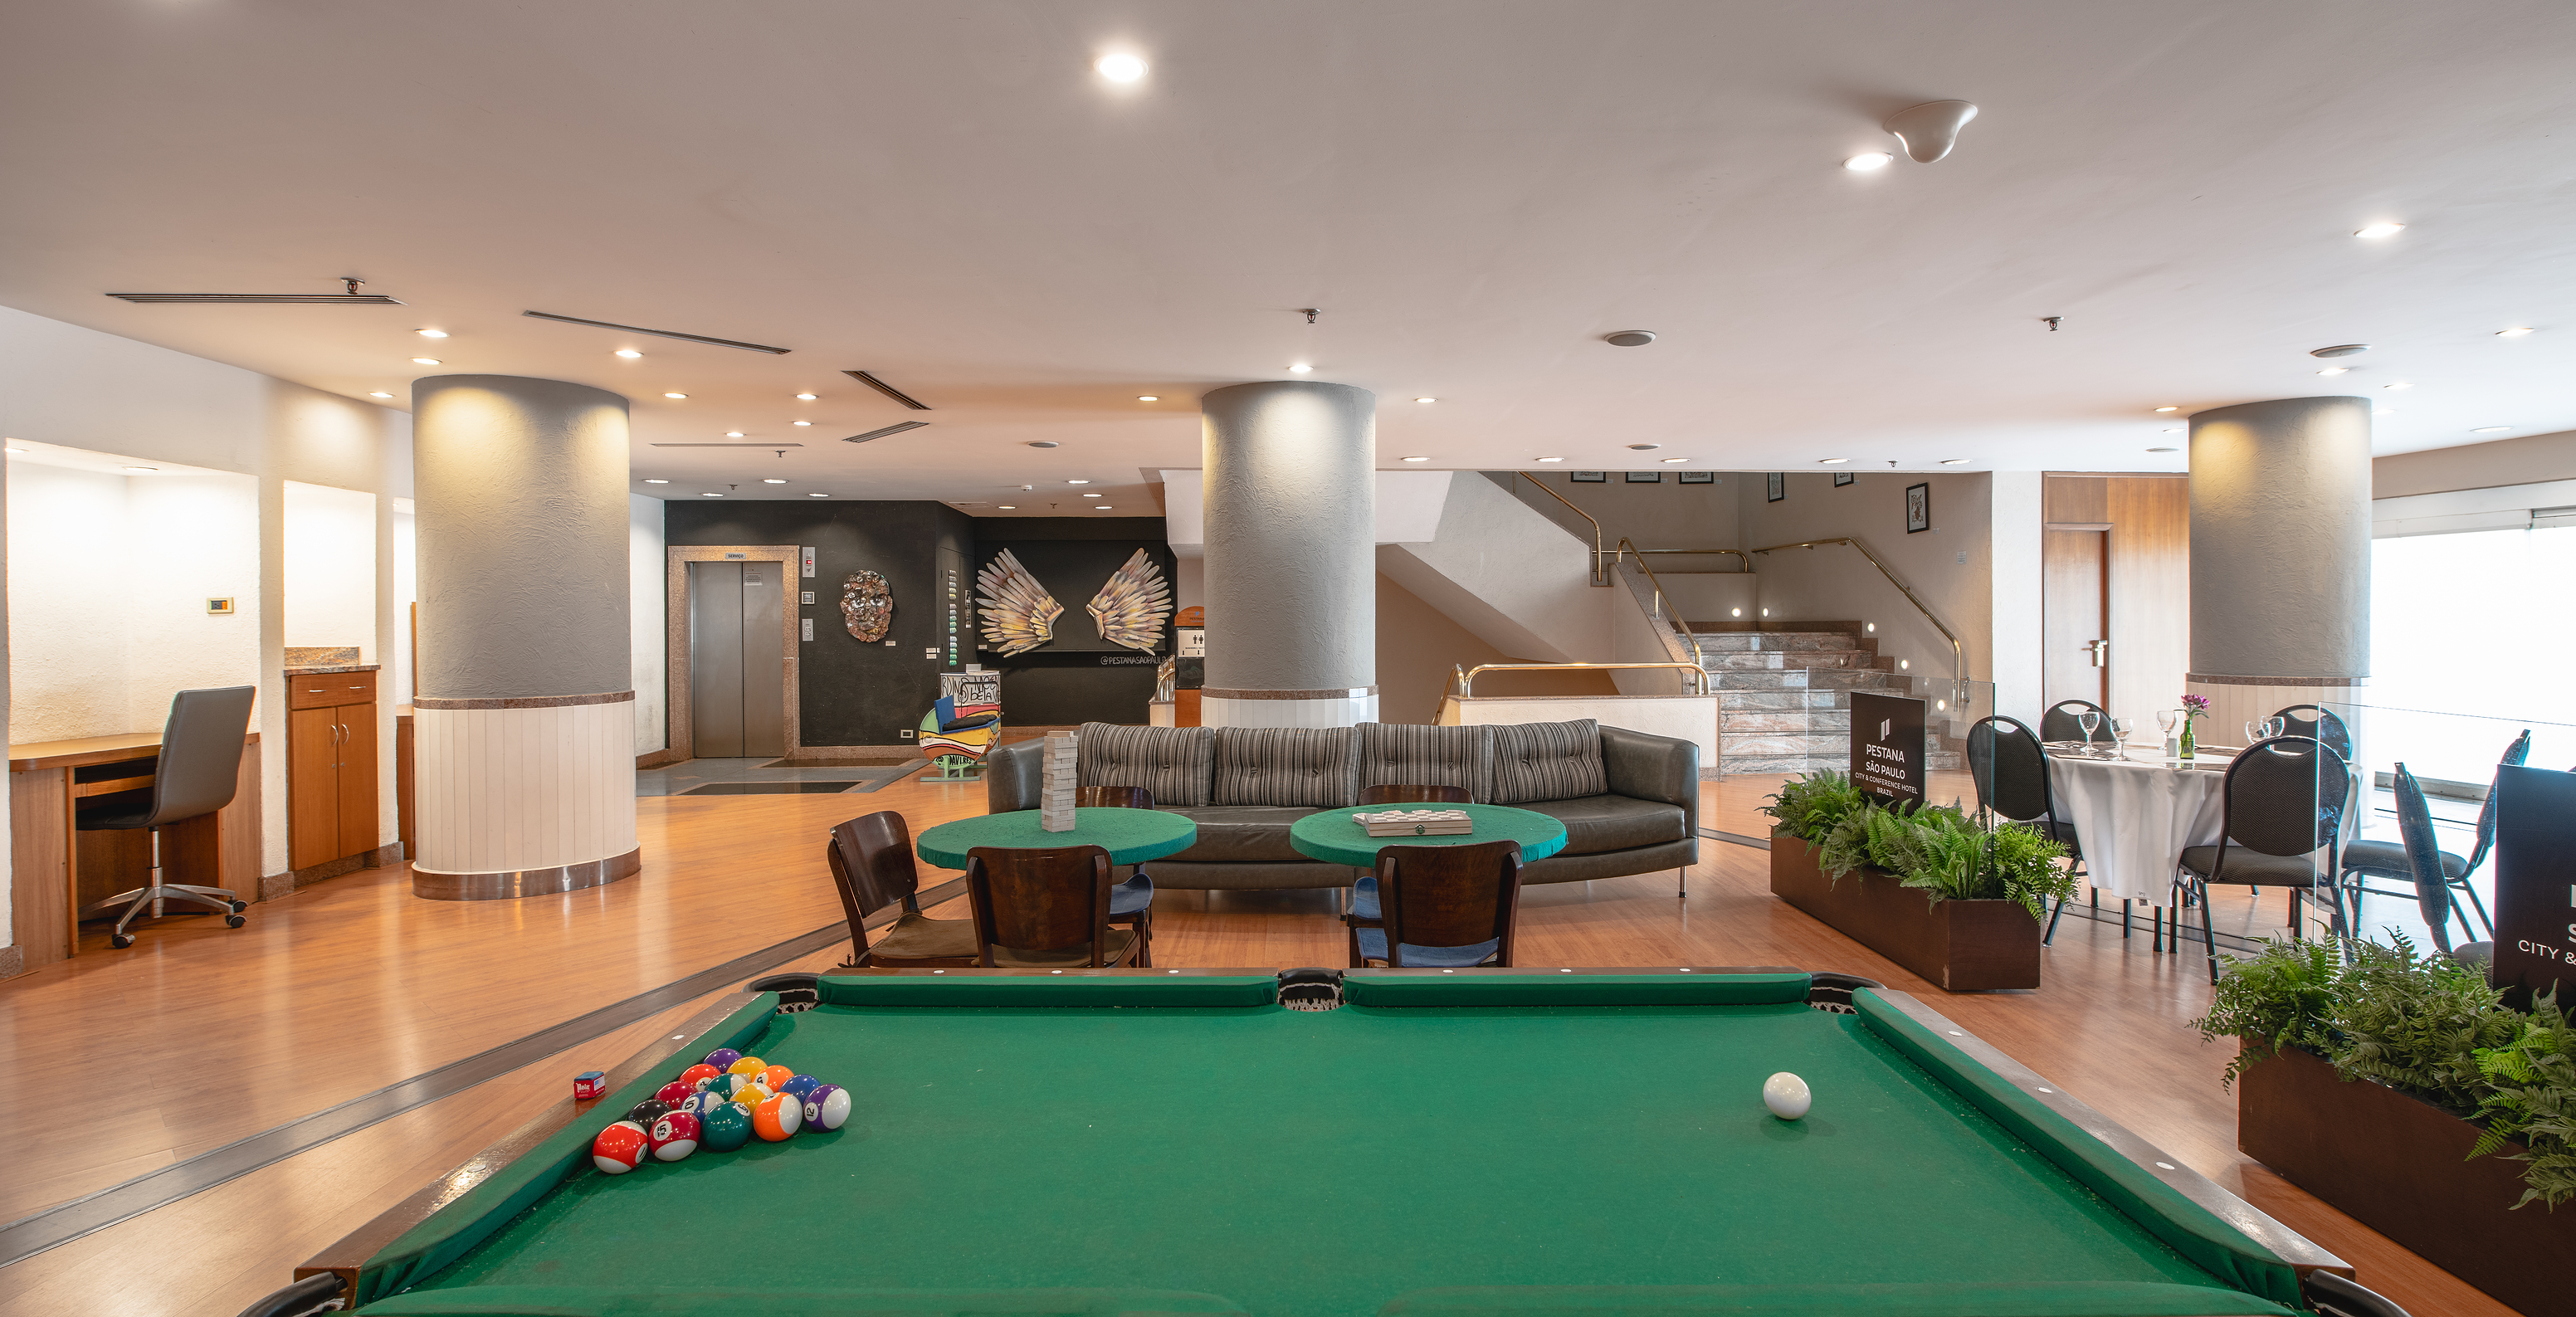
(1055, 798)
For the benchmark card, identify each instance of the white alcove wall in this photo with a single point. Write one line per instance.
(330, 568)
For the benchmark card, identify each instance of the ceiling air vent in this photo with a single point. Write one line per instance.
(657, 333)
(887, 389)
(350, 298)
(897, 428)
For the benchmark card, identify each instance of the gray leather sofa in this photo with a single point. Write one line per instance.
(1629, 801)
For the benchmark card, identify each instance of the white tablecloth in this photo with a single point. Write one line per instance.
(2135, 816)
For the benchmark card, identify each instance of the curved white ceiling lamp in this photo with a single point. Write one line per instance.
(1929, 130)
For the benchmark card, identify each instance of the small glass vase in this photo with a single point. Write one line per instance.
(2186, 752)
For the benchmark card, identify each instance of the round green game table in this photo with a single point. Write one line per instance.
(1131, 836)
(1330, 836)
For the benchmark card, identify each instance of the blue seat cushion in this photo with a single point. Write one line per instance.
(1131, 896)
(1364, 902)
(1373, 946)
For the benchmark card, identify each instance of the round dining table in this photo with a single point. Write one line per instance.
(2134, 814)
(1131, 836)
(1334, 837)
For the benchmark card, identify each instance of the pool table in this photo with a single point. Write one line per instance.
(1458, 1143)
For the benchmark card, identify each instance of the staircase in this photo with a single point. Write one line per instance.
(1784, 697)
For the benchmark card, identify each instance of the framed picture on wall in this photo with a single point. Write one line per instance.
(1697, 477)
(1842, 478)
(1775, 487)
(1642, 477)
(1918, 507)
(1588, 477)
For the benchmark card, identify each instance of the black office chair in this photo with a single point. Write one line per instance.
(2011, 776)
(2057, 722)
(2326, 726)
(2389, 860)
(201, 749)
(2282, 801)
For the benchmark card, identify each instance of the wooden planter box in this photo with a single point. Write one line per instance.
(1961, 945)
(2394, 1162)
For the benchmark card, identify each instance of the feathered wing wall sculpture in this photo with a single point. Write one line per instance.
(1017, 614)
(1133, 605)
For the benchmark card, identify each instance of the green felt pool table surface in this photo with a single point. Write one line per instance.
(1010, 1134)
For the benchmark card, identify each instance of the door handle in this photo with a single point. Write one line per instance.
(2101, 652)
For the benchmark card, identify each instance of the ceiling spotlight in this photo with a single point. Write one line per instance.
(1869, 161)
(2401, 384)
(431, 333)
(1088, 494)
(818, 496)
(1120, 68)
(2164, 450)
(675, 395)
(379, 394)
(1299, 368)
(711, 496)
(651, 481)
(1629, 338)
(2340, 350)
(1042, 443)
(1954, 461)
(2515, 332)
(1426, 400)
(1077, 482)
(1832, 461)
(733, 434)
(2336, 370)
(145, 469)
(629, 353)
(1929, 130)
(1417, 459)
(424, 361)
(2483, 429)
(804, 397)
(1551, 459)
(1010, 507)
(1645, 448)
(1148, 397)
(2169, 409)
(771, 480)
(800, 422)
(1100, 507)
(17, 452)
(1676, 459)
(2378, 230)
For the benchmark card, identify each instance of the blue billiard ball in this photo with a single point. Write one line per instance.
(800, 1085)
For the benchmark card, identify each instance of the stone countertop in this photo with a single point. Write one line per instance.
(320, 669)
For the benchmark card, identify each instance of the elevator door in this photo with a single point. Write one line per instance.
(737, 659)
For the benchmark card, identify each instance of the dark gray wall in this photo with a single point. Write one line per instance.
(1077, 677)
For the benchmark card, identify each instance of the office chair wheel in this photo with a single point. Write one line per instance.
(234, 921)
(120, 940)
(239, 906)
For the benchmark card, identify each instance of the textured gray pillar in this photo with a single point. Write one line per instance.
(2280, 543)
(1291, 555)
(525, 719)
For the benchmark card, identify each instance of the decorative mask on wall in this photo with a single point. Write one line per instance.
(867, 605)
(1017, 613)
(1132, 606)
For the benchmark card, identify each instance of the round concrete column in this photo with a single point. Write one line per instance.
(1291, 555)
(2280, 555)
(525, 720)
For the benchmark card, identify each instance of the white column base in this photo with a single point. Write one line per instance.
(1340, 711)
(518, 801)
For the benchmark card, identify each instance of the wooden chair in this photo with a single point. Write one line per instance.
(1412, 795)
(871, 860)
(1443, 907)
(1131, 890)
(1044, 909)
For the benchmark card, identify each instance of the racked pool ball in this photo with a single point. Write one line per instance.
(674, 1091)
(698, 1072)
(700, 1103)
(751, 1095)
(722, 1058)
(826, 1106)
(800, 1085)
(644, 1113)
(776, 1118)
(775, 1076)
(748, 1065)
(724, 1129)
(674, 1136)
(619, 1147)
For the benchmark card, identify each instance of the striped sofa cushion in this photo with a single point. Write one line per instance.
(1286, 765)
(1548, 761)
(1403, 754)
(1172, 762)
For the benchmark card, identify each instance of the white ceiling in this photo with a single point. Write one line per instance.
(1473, 193)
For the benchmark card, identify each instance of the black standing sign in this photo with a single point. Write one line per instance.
(1887, 746)
(2535, 882)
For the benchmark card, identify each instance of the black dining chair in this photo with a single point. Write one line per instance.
(2011, 776)
(2325, 725)
(1131, 889)
(2281, 802)
(196, 774)
(2391, 861)
(2057, 722)
(2425, 857)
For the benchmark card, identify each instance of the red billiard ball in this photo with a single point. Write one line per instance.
(674, 1136)
(696, 1075)
(673, 1092)
(619, 1147)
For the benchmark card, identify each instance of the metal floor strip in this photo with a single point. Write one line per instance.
(64, 1222)
(1737, 839)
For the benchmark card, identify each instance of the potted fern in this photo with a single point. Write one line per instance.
(2400, 1089)
(1929, 888)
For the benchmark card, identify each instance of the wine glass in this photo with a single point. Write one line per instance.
(2254, 730)
(2120, 729)
(2275, 726)
(2088, 720)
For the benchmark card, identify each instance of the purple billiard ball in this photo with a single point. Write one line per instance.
(800, 1085)
(826, 1107)
(723, 1058)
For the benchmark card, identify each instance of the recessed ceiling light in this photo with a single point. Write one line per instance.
(1120, 68)
(2401, 384)
(1100, 507)
(2164, 450)
(651, 481)
(1010, 507)
(1551, 459)
(1088, 494)
(629, 353)
(1426, 400)
(1868, 161)
(1148, 397)
(2336, 370)
(143, 468)
(2515, 332)
(1417, 459)
(431, 333)
(711, 496)
(1629, 338)
(804, 397)
(1832, 461)
(1676, 459)
(1954, 461)
(2378, 230)
(2169, 409)
(771, 480)
(1077, 482)
(2483, 429)
(733, 434)
(1299, 368)
(17, 452)
(801, 422)
(818, 496)
(379, 394)
(1645, 448)
(424, 361)
(1042, 443)
(2340, 350)
(675, 395)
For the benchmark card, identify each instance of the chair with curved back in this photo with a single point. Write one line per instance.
(2057, 721)
(2326, 725)
(1444, 907)
(1131, 890)
(872, 863)
(1044, 908)
(198, 768)
(2390, 861)
(2011, 776)
(2427, 859)
(1363, 911)
(2281, 802)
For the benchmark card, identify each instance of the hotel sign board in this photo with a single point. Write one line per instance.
(1887, 746)
(2535, 882)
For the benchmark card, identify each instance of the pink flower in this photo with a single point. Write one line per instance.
(2195, 703)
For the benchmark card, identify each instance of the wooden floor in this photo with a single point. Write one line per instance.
(199, 1036)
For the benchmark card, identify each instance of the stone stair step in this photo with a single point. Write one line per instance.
(1786, 743)
(1784, 720)
(1746, 642)
(1769, 764)
(1774, 659)
(1809, 678)
(1736, 698)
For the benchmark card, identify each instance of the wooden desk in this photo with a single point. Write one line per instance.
(56, 869)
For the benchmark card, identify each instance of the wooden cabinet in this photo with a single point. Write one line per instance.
(330, 767)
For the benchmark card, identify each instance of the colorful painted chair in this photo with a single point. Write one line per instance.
(956, 737)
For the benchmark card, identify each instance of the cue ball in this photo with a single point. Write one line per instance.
(1787, 1096)
(619, 1147)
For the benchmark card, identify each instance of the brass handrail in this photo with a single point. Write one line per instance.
(1680, 624)
(1463, 678)
(1598, 578)
(1744, 564)
(1958, 656)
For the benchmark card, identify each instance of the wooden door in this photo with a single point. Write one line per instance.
(2075, 586)
(312, 786)
(357, 781)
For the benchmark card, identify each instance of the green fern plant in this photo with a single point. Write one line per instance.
(1813, 804)
(2281, 996)
(2531, 1099)
(2415, 1022)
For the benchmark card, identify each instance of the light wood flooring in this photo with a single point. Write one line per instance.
(199, 1035)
